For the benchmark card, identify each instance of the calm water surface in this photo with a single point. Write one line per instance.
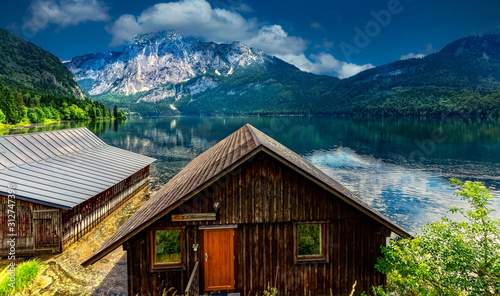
(399, 166)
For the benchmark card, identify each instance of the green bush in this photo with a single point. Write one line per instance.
(2, 117)
(25, 273)
(121, 115)
(36, 115)
(309, 239)
(449, 257)
(48, 113)
(168, 245)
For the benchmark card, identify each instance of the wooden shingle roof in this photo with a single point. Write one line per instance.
(63, 168)
(215, 163)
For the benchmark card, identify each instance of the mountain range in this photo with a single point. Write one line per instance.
(166, 70)
(166, 73)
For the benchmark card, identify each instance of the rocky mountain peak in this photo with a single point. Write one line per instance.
(159, 59)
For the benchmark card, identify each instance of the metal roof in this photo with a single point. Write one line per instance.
(213, 164)
(63, 168)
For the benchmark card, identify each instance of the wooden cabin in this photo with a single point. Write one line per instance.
(56, 186)
(246, 215)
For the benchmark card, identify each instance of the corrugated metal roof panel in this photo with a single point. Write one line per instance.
(26, 148)
(14, 158)
(44, 179)
(36, 141)
(40, 198)
(64, 177)
(63, 168)
(5, 163)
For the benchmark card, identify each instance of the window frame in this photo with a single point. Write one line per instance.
(304, 259)
(152, 250)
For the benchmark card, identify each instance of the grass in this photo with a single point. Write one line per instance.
(26, 272)
(167, 258)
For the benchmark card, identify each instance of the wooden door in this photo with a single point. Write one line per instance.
(218, 259)
(45, 226)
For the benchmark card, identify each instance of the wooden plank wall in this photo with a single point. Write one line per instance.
(84, 217)
(24, 226)
(265, 198)
(74, 223)
(47, 230)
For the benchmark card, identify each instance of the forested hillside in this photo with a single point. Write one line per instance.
(24, 107)
(26, 67)
(36, 87)
(464, 78)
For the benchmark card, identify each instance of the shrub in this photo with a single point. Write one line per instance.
(25, 273)
(449, 257)
(36, 115)
(2, 117)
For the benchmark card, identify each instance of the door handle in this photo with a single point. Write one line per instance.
(206, 257)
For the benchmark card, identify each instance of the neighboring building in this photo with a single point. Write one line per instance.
(249, 214)
(64, 183)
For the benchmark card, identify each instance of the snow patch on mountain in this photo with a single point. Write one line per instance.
(153, 60)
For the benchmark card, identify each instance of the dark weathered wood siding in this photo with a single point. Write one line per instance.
(25, 243)
(72, 224)
(264, 198)
(84, 217)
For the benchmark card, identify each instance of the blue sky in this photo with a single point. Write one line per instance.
(338, 38)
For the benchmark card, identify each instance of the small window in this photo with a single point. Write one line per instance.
(167, 248)
(310, 242)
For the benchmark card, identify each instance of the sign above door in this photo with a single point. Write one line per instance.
(194, 217)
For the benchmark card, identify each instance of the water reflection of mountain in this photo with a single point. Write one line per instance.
(418, 153)
(399, 166)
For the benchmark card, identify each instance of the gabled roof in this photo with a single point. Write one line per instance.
(63, 168)
(213, 164)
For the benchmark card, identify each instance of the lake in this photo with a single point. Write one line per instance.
(400, 167)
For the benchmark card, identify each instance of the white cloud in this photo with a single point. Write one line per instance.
(411, 55)
(242, 7)
(199, 19)
(324, 63)
(191, 17)
(428, 50)
(64, 13)
(316, 25)
(274, 40)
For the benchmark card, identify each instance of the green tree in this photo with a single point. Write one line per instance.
(91, 112)
(36, 115)
(309, 236)
(48, 113)
(115, 112)
(449, 257)
(65, 112)
(121, 115)
(2, 117)
(55, 113)
(12, 104)
(77, 112)
(99, 112)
